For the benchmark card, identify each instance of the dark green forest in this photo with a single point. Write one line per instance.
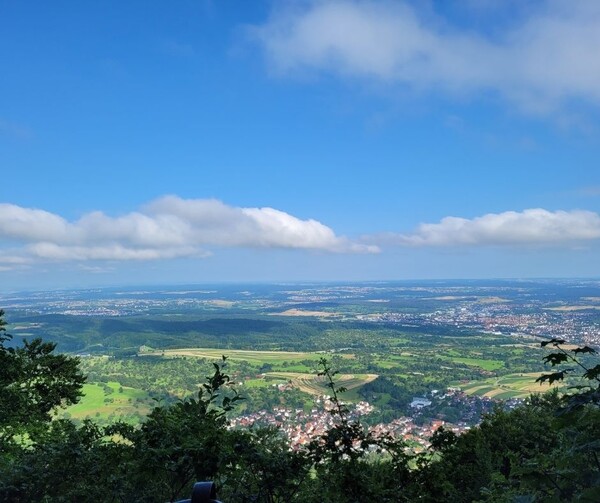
(546, 450)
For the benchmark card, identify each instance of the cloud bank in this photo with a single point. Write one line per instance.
(529, 227)
(544, 59)
(169, 227)
(172, 227)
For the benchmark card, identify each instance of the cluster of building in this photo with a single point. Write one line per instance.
(301, 427)
(574, 324)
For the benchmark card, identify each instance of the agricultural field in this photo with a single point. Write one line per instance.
(252, 357)
(409, 365)
(572, 308)
(302, 312)
(508, 386)
(263, 382)
(316, 385)
(482, 363)
(105, 400)
(297, 368)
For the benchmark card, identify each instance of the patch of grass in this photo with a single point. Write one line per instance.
(383, 399)
(506, 395)
(98, 403)
(262, 383)
(490, 365)
(482, 390)
(294, 368)
(385, 364)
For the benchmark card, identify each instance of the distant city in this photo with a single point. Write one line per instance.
(566, 309)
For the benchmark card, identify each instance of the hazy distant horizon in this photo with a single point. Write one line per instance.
(129, 288)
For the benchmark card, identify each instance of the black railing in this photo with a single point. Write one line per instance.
(203, 492)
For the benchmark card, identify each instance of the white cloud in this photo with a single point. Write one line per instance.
(30, 224)
(10, 260)
(6, 258)
(530, 227)
(547, 57)
(53, 251)
(169, 227)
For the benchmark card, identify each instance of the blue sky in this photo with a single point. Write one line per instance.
(191, 141)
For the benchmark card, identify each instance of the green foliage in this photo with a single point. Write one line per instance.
(261, 467)
(593, 373)
(347, 439)
(351, 464)
(65, 463)
(159, 461)
(563, 464)
(34, 381)
(588, 393)
(181, 443)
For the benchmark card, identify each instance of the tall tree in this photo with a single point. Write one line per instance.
(33, 382)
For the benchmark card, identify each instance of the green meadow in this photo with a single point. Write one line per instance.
(489, 365)
(104, 400)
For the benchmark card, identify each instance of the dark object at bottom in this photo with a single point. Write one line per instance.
(203, 492)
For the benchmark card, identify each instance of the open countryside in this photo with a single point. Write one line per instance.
(415, 344)
(509, 386)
